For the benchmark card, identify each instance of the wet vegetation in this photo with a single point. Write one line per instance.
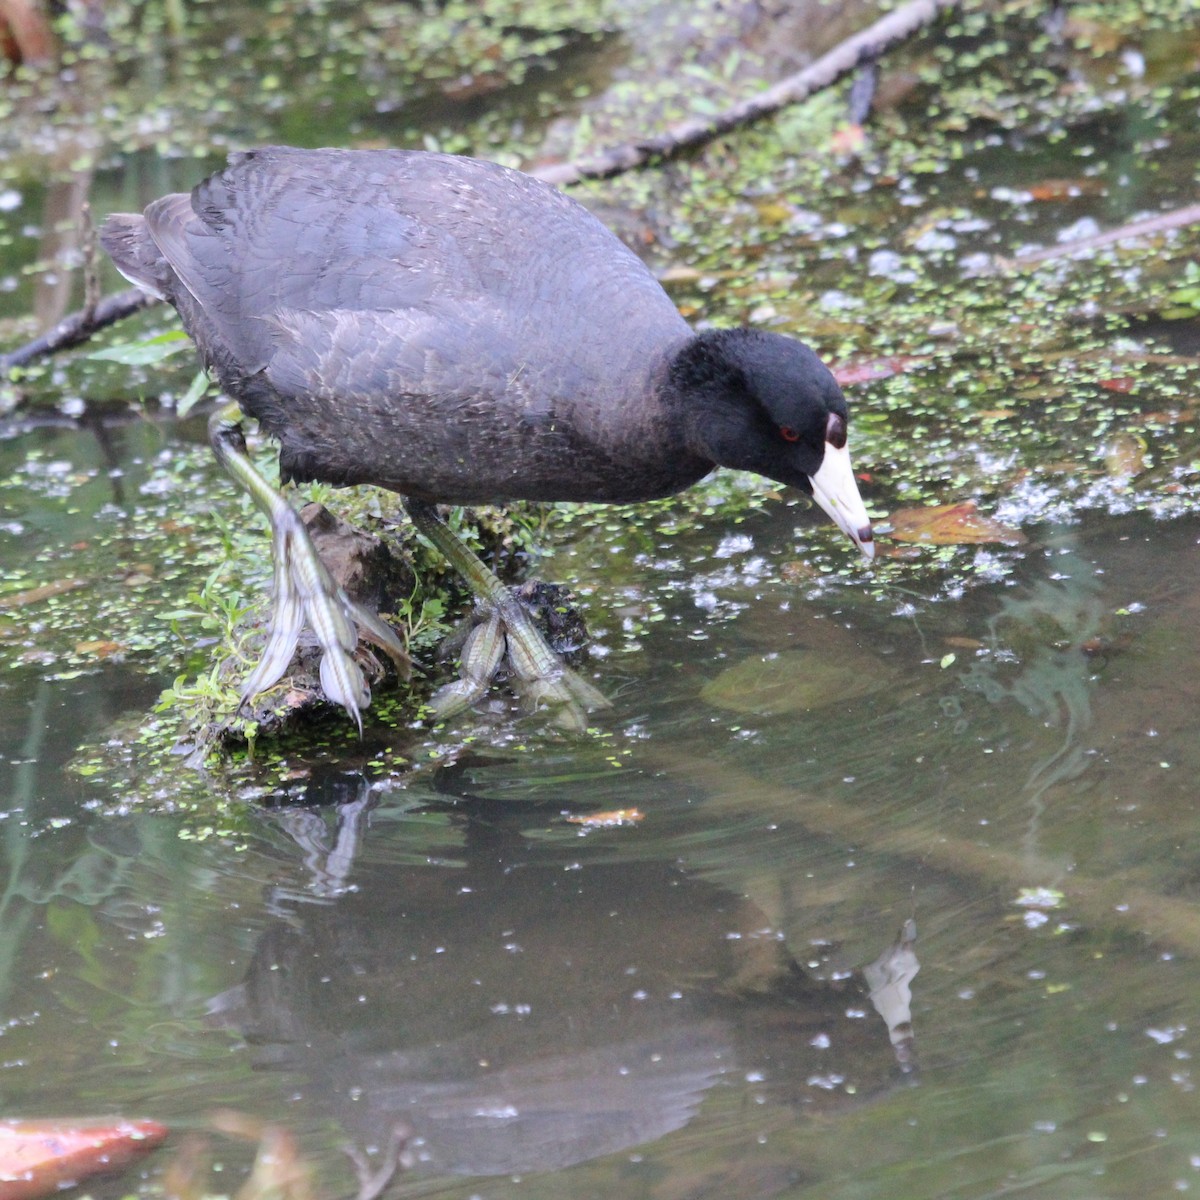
(1002, 729)
(1040, 391)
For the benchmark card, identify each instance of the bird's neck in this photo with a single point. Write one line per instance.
(704, 389)
(706, 364)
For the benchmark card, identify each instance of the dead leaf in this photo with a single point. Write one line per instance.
(951, 525)
(963, 643)
(849, 139)
(38, 1158)
(607, 820)
(99, 649)
(1174, 417)
(1066, 189)
(1125, 455)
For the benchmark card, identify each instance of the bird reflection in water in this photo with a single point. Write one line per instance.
(515, 1012)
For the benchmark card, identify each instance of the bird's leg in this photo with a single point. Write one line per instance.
(303, 590)
(544, 677)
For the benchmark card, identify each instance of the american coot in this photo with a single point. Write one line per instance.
(459, 332)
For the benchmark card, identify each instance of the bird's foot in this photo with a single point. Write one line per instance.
(508, 633)
(304, 594)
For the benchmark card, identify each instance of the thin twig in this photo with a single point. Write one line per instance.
(842, 60)
(91, 268)
(1177, 218)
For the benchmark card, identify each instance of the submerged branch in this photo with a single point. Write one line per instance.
(859, 50)
(1108, 902)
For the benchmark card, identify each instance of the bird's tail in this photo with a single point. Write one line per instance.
(132, 249)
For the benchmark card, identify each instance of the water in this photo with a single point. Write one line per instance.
(675, 999)
(995, 746)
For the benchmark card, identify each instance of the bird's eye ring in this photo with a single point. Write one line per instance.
(835, 430)
(789, 434)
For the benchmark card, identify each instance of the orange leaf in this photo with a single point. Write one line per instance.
(608, 820)
(951, 525)
(37, 1158)
(849, 139)
(1066, 189)
(99, 649)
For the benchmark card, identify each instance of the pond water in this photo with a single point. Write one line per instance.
(990, 750)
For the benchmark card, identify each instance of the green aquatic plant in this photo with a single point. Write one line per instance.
(1027, 389)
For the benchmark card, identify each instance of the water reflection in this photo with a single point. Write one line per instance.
(521, 1012)
(371, 945)
(1039, 654)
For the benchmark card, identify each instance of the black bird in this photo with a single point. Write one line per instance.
(459, 333)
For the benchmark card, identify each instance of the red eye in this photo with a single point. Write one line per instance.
(789, 434)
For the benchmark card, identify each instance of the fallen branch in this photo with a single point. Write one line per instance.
(1177, 218)
(78, 326)
(846, 57)
(855, 52)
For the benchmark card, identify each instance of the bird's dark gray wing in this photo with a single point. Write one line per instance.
(490, 257)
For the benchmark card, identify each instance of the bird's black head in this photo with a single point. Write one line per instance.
(766, 403)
